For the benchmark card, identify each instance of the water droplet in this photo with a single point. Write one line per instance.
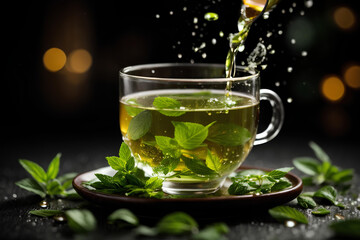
(293, 41)
(280, 32)
(269, 47)
(33, 224)
(290, 10)
(308, 3)
(195, 20)
(213, 41)
(192, 61)
(294, 4)
(153, 71)
(268, 34)
(44, 204)
(304, 53)
(14, 195)
(193, 33)
(283, 11)
(272, 51)
(289, 100)
(266, 15)
(196, 26)
(179, 55)
(210, 16)
(178, 42)
(6, 198)
(302, 13)
(263, 67)
(339, 217)
(203, 55)
(184, 9)
(277, 84)
(290, 223)
(258, 55)
(59, 218)
(201, 35)
(221, 34)
(171, 12)
(289, 69)
(157, 15)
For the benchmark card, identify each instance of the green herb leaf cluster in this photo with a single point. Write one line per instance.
(180, 223)
(258, 182)
(327, 193)
(285, 213)
(320, 170)
(45, 183)
(129, 179)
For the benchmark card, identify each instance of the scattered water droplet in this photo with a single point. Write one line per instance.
(294, 4)
(280, 32)
(272, 51)
(302, 13)
(283, 11)
(304, 53)
(213, 41)
(33, 224)
(339, 217)
(277, 84)
(291, 10)
(179, 55)
(184, 9)
(268, 34)
(266, 15)
(14, 195)
(203, 55)
(269, 47)
(193, 33)
(289, 100)
(289, 69)
(153, 71)
(290, 223)
(6, 198)
(221, 34)
(195, 20)
(59, 218)
(263, 67)
(258, 55)
(44, 204)
(293, 41)
(308, 3)
(192, 61)
(157, 15)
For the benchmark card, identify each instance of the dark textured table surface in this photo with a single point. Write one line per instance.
(81, 154)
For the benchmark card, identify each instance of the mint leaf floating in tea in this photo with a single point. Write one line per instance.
(124, 217)
(321, 170)
(168, 146)
(167, 165)
(132, 107)
(321, 212)
(347, 228)
(228, 134)
(168, 105)
(81, 221)
(212, 161)
(197, 166)
(139, 125)
(306, 201)
(190, 135)
(328, 192)
(285, 213)
(46, 183)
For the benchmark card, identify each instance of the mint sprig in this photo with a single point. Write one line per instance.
(320, 170)
(46, 183)
(252, 182)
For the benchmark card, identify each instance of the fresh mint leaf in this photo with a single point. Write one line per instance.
(167, 165)
(124, 152)
(66, 178)
(249, 173)
(139, 125)
(327, 192)
(306, 201)
(190, 135)
(343, 176)
(197, 166)
(177, 223)
(307, 165)
(168, 146)
(146, 231)
(105, 180)
(116, 163)
(134, 180)
(321, 211)
(46, 212)
(319, 152)
(215, 231)
(130, 164)
(35, 170)
(81, 221)
(228, 134)
(53, 168)
(279, 173)
(213, 161)
(284, 213)
(154, 183)
(280, 185)
(54, 188)
(239, 188)
(125, 216)
(169, 105)
(347, 228)
(133, 108)
(32, 186)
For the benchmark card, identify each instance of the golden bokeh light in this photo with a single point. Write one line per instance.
(352, 76)
(332, 88)
(54, 59)
(344, 18)
(80, 61)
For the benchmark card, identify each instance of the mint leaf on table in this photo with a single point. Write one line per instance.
(169, 105)
(327, 192)
(285, 213)
(190, 135)
(139, 125)
(347, 228)
(228, 134)
(46, 183)
(123, 216)
(177, 223)
(46, 212)
(319, 152)
(81, 221)
(306, 201)
(320, 211)
(307, 165)
(213, 232)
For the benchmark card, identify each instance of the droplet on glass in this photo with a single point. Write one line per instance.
(290, 223)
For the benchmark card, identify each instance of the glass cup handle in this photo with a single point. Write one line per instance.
(277, 118)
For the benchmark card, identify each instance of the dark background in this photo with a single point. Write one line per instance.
(38, 105)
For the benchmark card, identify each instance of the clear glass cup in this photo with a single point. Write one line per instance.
(191, 126)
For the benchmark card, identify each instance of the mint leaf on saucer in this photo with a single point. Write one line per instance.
(306, 201)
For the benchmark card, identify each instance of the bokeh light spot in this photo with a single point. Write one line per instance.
(80, 61)
(352, 76)
(54, 59)
(344, 18)
(332, 88)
